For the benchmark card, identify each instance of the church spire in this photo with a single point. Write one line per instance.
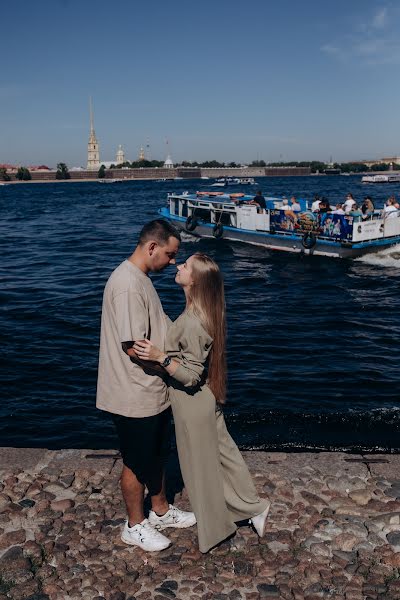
(91, 117)
(93, 162)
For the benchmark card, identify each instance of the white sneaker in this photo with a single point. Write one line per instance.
(174, 517)
(144, 536)
(259, 521)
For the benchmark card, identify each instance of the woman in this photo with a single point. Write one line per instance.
(349, 203)
(216, 477)
(367, 208)
(390, 210)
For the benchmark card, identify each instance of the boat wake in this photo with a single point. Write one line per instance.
(390, 257)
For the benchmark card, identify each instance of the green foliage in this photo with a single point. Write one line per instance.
(212, 164)
(4, 176)
(258, 163)
(187, 163)
(353, 167)
(62, 171)
(101, 173)
(23, 174)
(380, 167)
(139, 164)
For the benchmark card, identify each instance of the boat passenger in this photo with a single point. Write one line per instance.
(367, 208)
(324, 206)
(295, 205)
(349, 202)
(285, 204)
(316, 203)
(390, 210)
(338, 210)
(356, 212)
(259, 200)
(395, 203)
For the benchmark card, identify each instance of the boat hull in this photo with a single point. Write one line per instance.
(287, 243)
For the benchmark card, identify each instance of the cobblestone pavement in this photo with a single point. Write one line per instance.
(333, 532)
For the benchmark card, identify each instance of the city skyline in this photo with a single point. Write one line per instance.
(273, 83)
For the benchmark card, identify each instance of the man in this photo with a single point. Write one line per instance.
(135, 394)
(259, 200)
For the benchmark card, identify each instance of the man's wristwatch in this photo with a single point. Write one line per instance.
(166, 362)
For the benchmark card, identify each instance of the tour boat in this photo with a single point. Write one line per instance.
(381, 178)
(231, 217)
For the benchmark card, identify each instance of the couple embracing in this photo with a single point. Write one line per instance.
(148, 365)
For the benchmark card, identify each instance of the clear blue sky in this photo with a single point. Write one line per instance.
(220, 80)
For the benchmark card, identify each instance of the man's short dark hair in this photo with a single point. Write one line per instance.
(158, 230)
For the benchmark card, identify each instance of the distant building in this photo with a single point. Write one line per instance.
(168, 163)
(141, 154)
(93, 162)
(391, 159)
(380, 161)
(38, 168)
(120, 158)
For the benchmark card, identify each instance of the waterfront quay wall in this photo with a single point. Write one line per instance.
(181, 172)
(255, 171)
(214, 172)
(286, 171)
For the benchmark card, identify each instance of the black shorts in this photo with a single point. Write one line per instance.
(145, 445)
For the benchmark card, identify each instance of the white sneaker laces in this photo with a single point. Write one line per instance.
(149, 530)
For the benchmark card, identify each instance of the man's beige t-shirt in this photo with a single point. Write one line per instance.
(131, 311)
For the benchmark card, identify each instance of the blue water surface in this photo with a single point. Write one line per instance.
(313, 348)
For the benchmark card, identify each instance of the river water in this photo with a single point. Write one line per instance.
(313, 344)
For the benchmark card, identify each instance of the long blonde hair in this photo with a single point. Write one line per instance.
(207, 301)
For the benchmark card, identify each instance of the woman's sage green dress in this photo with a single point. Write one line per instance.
(216, 478)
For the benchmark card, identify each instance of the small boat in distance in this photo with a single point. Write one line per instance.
(232, 216)
(109, 180)
(246, 181)
(381, 178)
(225, 181)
